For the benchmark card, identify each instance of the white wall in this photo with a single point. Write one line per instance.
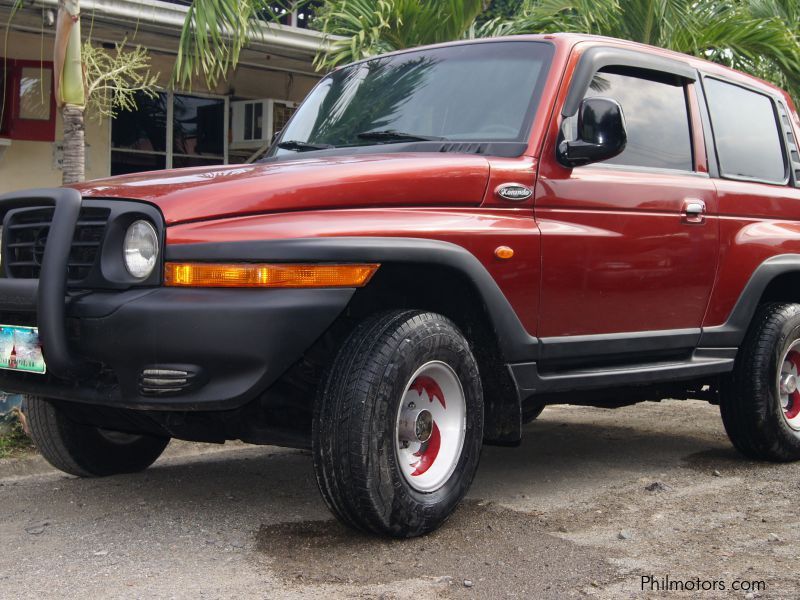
(30, 164)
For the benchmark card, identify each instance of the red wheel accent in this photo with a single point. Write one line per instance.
(793, 409)
(794, 358)
(427, 452)
(427, 464)
(430, 449)
(429, 385)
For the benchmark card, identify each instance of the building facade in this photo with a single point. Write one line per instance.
(177, 128)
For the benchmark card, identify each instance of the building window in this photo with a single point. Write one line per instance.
(35, 87)
(198, 131)
(285, 12)
(295, 14)
(28, 102)
(282, 12)
(305, 14)
(170, 130)
(5, 111)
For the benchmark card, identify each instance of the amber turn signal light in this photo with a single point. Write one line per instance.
(504, 252)
(278, 275)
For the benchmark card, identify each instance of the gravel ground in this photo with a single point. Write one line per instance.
(593, 501)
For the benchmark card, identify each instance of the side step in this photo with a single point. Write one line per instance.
(703, 362)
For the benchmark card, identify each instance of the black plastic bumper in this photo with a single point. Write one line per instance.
(232, 343)
(46, 295)
(236, 342)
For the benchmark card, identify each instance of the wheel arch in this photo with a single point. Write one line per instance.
(414, 273)
(777, 279)
(449, 292)
(514, 341)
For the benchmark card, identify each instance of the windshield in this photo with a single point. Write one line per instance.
(480, 92)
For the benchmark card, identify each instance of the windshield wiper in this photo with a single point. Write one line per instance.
(390, 135)
(303, 146)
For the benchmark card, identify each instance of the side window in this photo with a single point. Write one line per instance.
(746, 133)
(656, 118)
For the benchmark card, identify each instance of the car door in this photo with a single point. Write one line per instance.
(626, 258)
(759, 199)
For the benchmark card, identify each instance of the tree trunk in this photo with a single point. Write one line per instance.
(69, 88)
(74, 155)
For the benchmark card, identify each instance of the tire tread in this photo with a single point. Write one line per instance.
(342, 444)
(747, 405)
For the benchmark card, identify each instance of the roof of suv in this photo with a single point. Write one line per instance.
(569, 40)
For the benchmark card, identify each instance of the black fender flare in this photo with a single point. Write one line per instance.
(731, 333)
(515, 343)
(502, 402)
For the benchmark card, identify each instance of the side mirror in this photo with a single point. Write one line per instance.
(601, 134)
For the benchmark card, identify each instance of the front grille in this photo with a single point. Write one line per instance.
(26, 236)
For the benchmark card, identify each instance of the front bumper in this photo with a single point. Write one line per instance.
(232, 343)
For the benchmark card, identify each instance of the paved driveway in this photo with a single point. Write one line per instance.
(593, 501)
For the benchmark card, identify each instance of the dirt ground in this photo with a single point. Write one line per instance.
(592, 504)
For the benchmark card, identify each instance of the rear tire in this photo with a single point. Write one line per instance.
(761, 416)
(398, 424)
(84, 450)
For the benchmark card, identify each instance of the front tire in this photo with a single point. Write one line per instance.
(84, 450)
(398, 424)
(760, 403)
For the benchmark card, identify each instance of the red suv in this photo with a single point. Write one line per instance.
(441, 242)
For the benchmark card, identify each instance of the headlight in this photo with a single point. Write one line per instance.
(141, 249)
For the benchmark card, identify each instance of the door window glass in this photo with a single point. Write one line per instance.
(656, 119)
(746, 133)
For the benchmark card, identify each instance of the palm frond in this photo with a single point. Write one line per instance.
(761, 37)
(213, 35)
(370, 27)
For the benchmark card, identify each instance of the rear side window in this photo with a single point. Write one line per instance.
(656, 119)
(746, 133)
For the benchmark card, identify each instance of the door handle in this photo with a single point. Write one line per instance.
(694, 211)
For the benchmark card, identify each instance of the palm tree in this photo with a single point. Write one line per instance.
(84, 73)
(370, 27)
(788, 12)
(215, 31)
(761, 37)
(69, 88)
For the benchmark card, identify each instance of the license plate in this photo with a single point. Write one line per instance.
(20, 349)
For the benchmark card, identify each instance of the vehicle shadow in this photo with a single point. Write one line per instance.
(264, 502)
(554, 455)
(558, 455)
(279, 485)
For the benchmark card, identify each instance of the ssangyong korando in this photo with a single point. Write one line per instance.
(441, 242)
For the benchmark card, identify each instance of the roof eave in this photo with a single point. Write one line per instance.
(169, 18)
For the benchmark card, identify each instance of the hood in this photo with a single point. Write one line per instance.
(388, 180)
